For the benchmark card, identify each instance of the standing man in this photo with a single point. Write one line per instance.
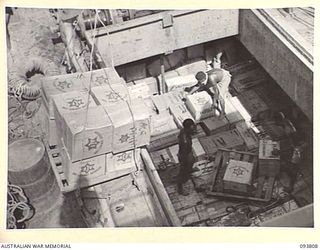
(185, 154)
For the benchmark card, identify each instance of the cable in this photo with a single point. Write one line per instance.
(129, 107)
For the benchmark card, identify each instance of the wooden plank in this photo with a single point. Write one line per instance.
(189, 28)
(159, 189)
(105, 208)
(270, 183)
(226, 195)
(260, 186)
(222, 170)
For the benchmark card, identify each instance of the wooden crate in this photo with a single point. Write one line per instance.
(264, 185)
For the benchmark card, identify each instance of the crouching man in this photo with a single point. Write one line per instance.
(216, 83)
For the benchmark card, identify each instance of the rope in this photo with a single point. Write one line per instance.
(17, 201)
(129, 107)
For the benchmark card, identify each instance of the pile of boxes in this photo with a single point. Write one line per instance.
(98, 132)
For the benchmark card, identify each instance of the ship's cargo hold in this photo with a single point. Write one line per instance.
(269, 158)
(238, 176)
(125, 160)
(214, 125)
(154, 68)
(88, 133)
(131, 125)
(243, 81)
(180, 113)
(249, 137)
(192, 68)
(200, 105)
(195, 51)
(110, 95)
(180, 82)
(253, 103)
(135, 72)
(176, 58)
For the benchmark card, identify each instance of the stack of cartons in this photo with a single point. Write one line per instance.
(180, 82)
(131, 125)
(55, 85)
(269, 158)
(110, 95)
(200, 105)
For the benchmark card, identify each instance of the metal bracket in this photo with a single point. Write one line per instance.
(167, 20)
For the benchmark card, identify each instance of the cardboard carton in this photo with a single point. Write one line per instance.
(124, 160)
(200, 105)
(238, 176)
(88, 133)
(110, 95)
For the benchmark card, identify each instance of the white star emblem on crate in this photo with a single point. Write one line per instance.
(238, 171)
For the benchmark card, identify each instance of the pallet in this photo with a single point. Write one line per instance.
(264, 185)
(55, 161)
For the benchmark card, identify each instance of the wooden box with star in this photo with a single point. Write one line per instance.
(85, 172)
(131, 125)
(238, 176)
(55, 85)
(124, 160)
(88, 133)
(67, 103)
(200, 105)
(110, 95)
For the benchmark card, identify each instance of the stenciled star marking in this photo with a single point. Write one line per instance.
(124, 138)
(238, 171)
(75, 103)
(87, 168)
(101, 80)
(124, 157)
(92, 143)
(64, 85)
(112, 97)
